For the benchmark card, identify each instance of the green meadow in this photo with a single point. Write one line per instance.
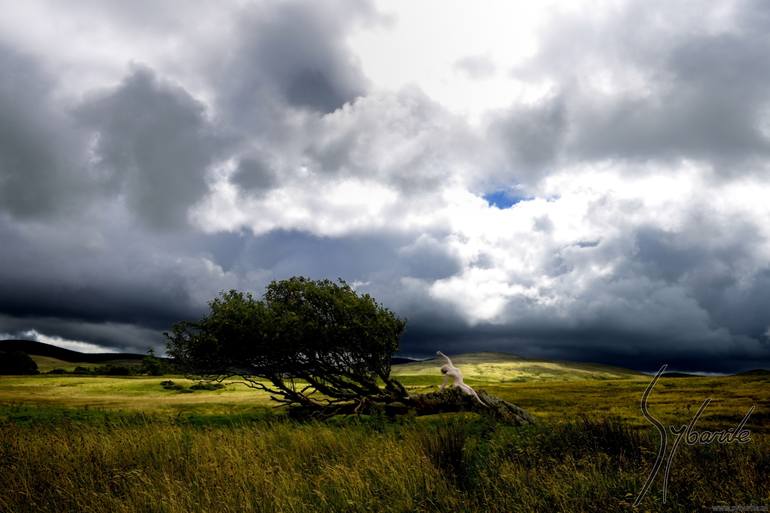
(95, 443)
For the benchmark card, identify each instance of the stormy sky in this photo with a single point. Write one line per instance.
(557, 180)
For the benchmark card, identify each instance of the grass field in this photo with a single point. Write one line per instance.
(48, 363)
(130, 393)
(481, 368)
(72, 443)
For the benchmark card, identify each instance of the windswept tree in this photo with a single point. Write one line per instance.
(317, 347)
(310, 344)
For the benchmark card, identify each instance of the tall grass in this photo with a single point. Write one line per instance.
(454, 463)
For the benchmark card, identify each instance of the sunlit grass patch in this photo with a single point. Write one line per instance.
(133, 393)
(136, 462)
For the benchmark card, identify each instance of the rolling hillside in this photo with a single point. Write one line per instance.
(49, 357)
(486, 367)
(481, 367)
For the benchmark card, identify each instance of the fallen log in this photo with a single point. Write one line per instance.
(452, 400)
(448, 400)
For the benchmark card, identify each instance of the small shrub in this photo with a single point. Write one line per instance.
(207, 386)
(444, 447)
(170, 385)
(117, 370)
(152, 365)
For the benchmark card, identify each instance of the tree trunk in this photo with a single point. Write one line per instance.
(449, 400)
(453, 399)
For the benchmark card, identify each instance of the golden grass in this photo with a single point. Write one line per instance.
(456, 463)
(126, 444)
(175, 469)
(85, 443)
(48, 363)
(130, 393)
(482, 368)
(674, 399)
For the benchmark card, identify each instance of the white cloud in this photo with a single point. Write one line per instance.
(72, 345)
(321, 207)
(423, 43)
(636, 141)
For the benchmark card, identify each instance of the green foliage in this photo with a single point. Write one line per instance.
(444, 446)
(304, 336)
(457, 446)
(152, 365)
(101, 370)
(170, 385)
(201, 385)
(113, 370)
(17, 362)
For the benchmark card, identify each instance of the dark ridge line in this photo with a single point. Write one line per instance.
(32, 347)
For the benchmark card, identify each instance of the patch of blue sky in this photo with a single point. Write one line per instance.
(503, 198)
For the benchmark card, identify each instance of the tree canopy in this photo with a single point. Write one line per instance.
(17, 362)
(318, 347)
(308, 343)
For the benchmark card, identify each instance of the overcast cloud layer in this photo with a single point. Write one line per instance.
(607, 203)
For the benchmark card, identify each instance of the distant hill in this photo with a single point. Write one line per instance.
(482, 367)
(398, 360)
(33, 348)
(510, 368)
(754, 372)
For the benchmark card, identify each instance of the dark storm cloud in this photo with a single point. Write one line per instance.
(362, 258)
(130, 338)
(66, 260)
(254, 173)
(694, 297)
(99, 273)
(699, 94)
(286, 65)
(155, 304)
(428, 258)
(155, 142)
(286, 253)
(290, 53)
(532, 136)
(149, 145)
(712, 265)
(550, 337)
(104, 273)
(39, 145)
(95, 194)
